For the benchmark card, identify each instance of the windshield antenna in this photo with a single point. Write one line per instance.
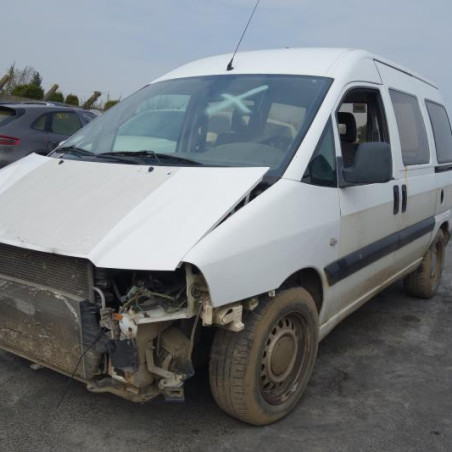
(229, 67)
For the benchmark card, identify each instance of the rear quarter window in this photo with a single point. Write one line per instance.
(40, 123)
(441, 131)
(411, 127)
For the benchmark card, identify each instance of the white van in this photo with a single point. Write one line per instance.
(237, 214)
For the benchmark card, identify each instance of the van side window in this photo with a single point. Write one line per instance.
(441, 131)
(360, 119)
(413, 137)
(321, 169)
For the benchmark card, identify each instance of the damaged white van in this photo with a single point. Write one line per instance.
(231, 213)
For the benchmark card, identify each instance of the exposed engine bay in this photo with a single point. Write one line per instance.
(145, 331)
(131, 333)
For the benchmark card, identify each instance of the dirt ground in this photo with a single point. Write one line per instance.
(383, 382)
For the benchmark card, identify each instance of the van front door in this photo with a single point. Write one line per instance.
(369, 220)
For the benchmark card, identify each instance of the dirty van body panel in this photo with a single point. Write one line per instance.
(291, 226)
(366, 219)
(420, 209)
(444, 196)
(117, 216)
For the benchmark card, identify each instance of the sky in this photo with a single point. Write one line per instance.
(117, 46)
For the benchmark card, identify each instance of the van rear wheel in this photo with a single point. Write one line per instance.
(259, 374)
(424, 282)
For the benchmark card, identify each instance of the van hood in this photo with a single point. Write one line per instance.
(116, 215)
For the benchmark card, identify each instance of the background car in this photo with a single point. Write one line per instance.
(36, 127)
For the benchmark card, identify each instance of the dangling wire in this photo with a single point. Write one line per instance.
(66, 389)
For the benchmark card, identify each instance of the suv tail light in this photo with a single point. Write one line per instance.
(10, 141)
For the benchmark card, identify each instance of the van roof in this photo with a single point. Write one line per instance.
(324, 62)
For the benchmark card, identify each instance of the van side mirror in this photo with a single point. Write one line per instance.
(372, 165)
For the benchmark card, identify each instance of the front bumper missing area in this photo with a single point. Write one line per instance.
(41, 325)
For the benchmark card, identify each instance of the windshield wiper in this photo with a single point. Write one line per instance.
(145, 153)
(80, 152)
(176, 158)
(157, 156)
(73, 150)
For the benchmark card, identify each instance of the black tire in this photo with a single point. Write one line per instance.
(259, 374)
(424, 282)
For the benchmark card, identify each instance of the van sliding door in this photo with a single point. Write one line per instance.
(413, 168)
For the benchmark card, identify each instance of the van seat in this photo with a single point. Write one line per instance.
(348, 136)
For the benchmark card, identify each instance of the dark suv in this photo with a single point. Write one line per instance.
(27, 128)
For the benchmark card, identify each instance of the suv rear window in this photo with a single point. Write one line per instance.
(6, 115)
(441, 131)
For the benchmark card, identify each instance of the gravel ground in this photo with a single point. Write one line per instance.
(383, 382)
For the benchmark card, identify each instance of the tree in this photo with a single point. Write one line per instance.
(24, 76)
(57, 97)
(18, 77)
(29, 91)
(36, 79)
(11, 83)
(110, 103)
(72, 99)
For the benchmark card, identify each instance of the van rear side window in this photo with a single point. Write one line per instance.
(413, 137)
(441, 131)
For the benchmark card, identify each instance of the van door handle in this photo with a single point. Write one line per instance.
(404, 198)
(396, 199)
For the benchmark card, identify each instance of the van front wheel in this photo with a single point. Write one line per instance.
(424, 282)
(259, 374)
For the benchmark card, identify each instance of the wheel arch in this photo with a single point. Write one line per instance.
(311, 280)
(445, 228)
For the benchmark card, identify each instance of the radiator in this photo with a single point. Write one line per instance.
(40, 296)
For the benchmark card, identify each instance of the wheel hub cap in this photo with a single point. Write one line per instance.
(282, 360)
(282, 354)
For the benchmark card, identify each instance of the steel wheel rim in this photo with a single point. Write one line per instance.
(283, 359)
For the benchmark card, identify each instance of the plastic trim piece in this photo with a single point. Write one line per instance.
(353, 262)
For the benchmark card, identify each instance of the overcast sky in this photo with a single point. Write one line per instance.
(116, 46)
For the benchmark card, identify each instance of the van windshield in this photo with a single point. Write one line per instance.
(229, 120)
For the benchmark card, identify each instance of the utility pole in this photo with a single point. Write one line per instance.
(92, 99)
(51, 91)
